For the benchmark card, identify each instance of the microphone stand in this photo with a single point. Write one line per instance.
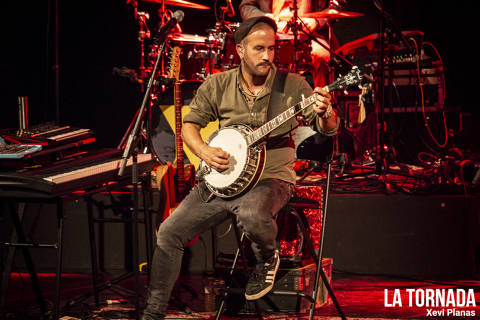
(131, 149)
(133, 137)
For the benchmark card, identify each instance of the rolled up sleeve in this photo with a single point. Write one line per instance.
(202, 108)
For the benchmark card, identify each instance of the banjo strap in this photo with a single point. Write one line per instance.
(275, 108)
(275, 102)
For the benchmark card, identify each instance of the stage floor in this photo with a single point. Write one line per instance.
(360, 297)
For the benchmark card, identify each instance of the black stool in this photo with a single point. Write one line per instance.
(294, 209)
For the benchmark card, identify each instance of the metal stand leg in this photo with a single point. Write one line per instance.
(146, 193)
(17, 216)
(136, 272)
(239, 237)
(132, 231)
(93, 250)
(28, 258)
(319, 271)
(18, 236)
(58, 278)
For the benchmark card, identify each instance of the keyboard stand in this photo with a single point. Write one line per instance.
(19, 233)
(17, 190)
(16, 209)
(130, 223)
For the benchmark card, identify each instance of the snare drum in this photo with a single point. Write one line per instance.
(284, 50)
(194, 55)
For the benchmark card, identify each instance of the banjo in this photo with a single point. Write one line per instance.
(247, 152)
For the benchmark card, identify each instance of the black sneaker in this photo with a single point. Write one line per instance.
(262, 278)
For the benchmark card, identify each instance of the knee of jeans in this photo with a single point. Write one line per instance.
(253, 222)
(169, 238)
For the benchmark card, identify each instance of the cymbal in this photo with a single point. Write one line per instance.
(181, 3)
(331, 14)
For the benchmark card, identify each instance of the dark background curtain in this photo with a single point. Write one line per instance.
(96, 36)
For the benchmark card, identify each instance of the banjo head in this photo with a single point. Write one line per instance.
(232, 141)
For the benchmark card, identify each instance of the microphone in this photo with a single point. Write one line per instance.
(165, 30)
(230, 10)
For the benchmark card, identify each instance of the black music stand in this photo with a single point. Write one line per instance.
(319, 149)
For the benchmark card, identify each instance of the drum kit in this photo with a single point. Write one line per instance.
(215, 52)
(201, 55)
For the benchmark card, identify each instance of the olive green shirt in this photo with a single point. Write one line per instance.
(222, 97)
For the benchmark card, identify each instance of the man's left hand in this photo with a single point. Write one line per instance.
(322, 102)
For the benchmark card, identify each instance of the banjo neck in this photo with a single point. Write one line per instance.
(352, 78)
(280, 119)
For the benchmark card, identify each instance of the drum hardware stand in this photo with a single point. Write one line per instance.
(220, 24)
(334, 59)
(381, 163)
(142, 18)
(331, 78)
(23, 125)
(295, 34)
(142, 34)
(340, 155)
(385, 18)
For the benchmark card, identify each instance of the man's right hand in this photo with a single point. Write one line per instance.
(215, 157)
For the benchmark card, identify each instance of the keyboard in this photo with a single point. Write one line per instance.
(78, 174)
(18, 151)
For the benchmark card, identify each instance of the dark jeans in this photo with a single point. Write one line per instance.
(255, 213)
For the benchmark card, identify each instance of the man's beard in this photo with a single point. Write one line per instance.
(254, 71)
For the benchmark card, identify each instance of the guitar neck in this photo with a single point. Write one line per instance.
(178, 137)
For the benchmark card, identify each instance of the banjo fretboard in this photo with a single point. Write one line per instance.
(276, 122)
(353, 77)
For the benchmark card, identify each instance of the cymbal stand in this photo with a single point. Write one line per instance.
(338, 154)
(143, 33)
(295, 34)
(387, 28)
(334, 59)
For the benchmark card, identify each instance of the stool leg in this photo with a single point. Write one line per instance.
(239, 237)
(230, 275)
(303, 231)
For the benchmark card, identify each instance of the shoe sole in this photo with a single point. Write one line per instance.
(267, 289)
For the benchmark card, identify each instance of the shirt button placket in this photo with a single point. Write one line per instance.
(252, 114)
